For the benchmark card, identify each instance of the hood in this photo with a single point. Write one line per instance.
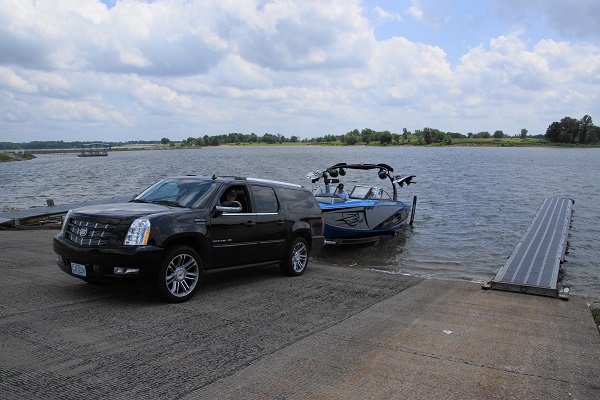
(126, 210)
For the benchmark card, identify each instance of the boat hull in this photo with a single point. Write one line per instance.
(363, 219)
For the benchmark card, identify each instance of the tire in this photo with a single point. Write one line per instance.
(296, 260)
(179, 275)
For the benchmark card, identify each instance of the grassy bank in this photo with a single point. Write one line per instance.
(4, 157)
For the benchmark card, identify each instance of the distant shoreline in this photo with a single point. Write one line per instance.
(24, 155)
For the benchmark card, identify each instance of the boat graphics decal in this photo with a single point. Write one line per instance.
(350, 218)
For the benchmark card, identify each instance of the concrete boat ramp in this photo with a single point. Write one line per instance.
(333, 333)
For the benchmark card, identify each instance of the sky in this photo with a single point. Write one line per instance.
(126, 70)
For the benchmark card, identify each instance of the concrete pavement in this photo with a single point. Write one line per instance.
(333, 333)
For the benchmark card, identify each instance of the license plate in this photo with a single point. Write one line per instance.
(78, 269)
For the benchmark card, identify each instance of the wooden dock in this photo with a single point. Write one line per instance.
(534, 265)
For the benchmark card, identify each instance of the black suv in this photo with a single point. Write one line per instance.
(177, 228)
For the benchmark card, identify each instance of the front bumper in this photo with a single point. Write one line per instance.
(99, 262)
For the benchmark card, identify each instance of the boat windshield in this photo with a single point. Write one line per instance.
(369, 193)
(325, 191)
(181, 192)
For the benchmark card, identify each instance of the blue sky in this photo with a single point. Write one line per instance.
(118, 70)
(452, 26)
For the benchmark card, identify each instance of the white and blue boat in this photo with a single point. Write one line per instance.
(369, 212)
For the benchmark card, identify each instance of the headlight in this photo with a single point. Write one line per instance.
(66, 222)
(138, 233)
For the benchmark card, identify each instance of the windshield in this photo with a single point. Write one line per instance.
(325, 191)
(369, 193)
(179, 192)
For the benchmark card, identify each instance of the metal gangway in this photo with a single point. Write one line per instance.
(534, 265)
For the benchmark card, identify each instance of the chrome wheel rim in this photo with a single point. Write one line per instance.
(182, 275)
(299, 257)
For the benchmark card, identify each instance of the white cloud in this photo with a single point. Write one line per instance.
(150, 69)
(159, 99)
(12, 81)
(287, 35)
(416, 9)
(386, 15)
(547, 82)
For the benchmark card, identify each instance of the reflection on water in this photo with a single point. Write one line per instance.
(474, 204)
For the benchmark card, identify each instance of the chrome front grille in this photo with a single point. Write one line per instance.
(88, 233)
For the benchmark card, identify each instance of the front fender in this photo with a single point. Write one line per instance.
(165, 230)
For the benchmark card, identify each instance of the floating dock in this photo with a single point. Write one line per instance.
(534, 265)
(48, 216)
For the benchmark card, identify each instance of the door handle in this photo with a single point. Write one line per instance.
(280, 222)
(250, 223)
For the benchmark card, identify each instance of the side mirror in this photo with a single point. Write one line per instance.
(229, 207)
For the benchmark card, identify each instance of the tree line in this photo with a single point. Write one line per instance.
(235, 138)
(365, 136)
(570, 130)
(567, 131)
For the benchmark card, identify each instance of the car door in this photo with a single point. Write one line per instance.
(233, 236)
(271, 221)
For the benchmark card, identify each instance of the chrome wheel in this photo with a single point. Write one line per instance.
(182, 275)
(179, 275)
(297, 258)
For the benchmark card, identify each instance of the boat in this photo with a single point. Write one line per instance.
(369, 212)
(93, 150)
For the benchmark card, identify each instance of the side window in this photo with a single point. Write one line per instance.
(265, 200)
(236, 193)
(299, 201)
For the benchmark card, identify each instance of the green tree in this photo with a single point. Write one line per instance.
(165, 140)
(369, 135)
(553, 132)
(405, 134)
(568, 130)
(385, 137)
(523, 133)
(498, 135)
(594, 134)
(268, 138)
(585, 125)
(352, 137)
(428, 135)
(186, 142)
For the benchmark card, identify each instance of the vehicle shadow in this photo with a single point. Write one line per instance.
(213, 281)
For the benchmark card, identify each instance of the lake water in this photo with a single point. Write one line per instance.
(474, 204)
